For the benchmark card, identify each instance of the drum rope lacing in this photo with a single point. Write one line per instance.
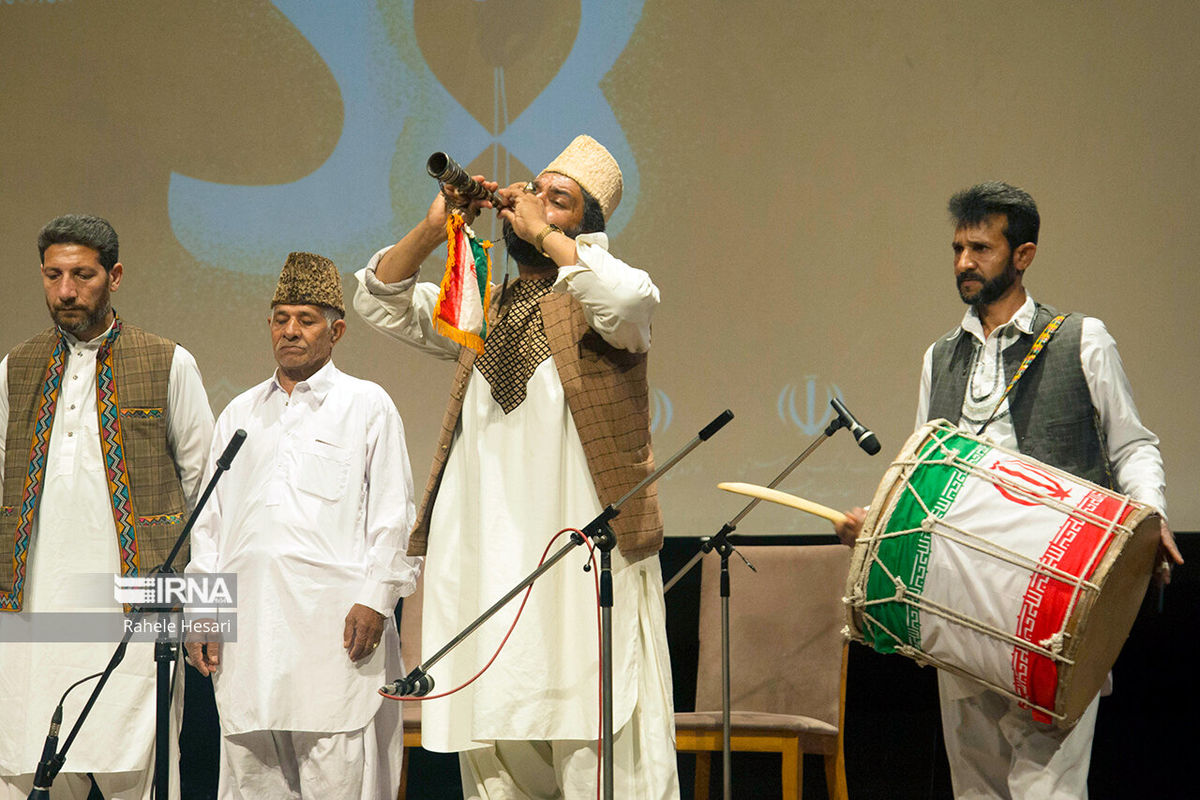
(1111, 527)
(925, 604)
(1050, 647)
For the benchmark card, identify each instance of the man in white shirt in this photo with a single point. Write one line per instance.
(313, 518)
(1080, 417)
(106, 430)
(543, 429)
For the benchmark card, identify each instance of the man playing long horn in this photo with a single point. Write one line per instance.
(549, 424)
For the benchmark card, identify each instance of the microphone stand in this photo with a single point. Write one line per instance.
(720, 541)
(418, 683)
(165, 653)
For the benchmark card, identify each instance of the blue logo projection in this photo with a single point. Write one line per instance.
(396, 112)
(816, 415)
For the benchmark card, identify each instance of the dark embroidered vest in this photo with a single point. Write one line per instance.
(608, 395)
(1051, 407)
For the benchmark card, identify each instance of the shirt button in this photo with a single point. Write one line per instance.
(72, 406)
(70, 433)
(74, 377)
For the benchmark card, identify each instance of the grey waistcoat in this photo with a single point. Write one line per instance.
(1051, 407)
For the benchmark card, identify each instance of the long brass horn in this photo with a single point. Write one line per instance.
(445, 169)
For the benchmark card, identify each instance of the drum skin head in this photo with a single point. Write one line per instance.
(1099, 632)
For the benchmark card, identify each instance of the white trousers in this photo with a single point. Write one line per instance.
(292, 765)
(643, 768)
(76, 786)
(996, 750)
(134, 785)
(562, 770)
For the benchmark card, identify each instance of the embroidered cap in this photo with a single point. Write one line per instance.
(589, 164)
(308, 279)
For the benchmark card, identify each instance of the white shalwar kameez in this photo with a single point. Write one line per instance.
(74, 536)
(313, 517)
(995, 749)
(528, 727)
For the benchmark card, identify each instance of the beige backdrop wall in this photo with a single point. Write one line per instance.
(787, 169)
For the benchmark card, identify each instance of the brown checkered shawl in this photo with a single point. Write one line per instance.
(607, 393)
(142, 367)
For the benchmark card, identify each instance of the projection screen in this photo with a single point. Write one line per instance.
(787, 166)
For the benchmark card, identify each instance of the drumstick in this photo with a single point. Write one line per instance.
(784, 499)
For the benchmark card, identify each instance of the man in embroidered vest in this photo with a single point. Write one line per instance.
(314, 518)
(1071, 408)
(545, 428)
(107, 428)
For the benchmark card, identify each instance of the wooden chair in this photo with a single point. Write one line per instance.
(410, 651)
(787, 662)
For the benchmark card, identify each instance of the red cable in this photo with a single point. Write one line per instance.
(516, 619)
(511, 628)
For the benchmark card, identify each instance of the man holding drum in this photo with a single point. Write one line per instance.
(1073, 410)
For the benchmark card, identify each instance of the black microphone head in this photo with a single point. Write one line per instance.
(231, 449)
(866, 440)
(715, 425)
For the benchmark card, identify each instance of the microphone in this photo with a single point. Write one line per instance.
(46, 767)
(866, 440)
(417, 684)
(715, 425)
(231, 449)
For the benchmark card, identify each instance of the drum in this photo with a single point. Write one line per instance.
(1001, 569)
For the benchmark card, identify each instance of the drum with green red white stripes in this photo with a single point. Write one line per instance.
(990, 564)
